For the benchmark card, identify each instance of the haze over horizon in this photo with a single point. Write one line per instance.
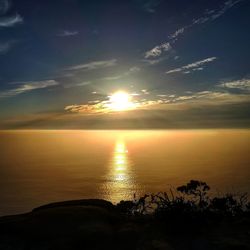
(178, 64)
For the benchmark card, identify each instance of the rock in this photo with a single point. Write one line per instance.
(66, 225)
(83, 202)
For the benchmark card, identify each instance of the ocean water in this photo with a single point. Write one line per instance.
(42, 166)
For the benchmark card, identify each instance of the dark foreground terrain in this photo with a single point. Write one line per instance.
(151, 222)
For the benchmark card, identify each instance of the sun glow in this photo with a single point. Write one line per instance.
(120, 178)
(120, 101)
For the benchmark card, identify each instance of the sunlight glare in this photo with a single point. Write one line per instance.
(120, 101)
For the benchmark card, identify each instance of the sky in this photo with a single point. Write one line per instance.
(184, 64)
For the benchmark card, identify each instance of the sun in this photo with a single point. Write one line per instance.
(120, 101)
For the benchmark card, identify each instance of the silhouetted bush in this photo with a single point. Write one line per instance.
(187, 201)
(198, 190)
(125, 207)
(229, 204)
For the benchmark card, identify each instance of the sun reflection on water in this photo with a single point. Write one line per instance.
(120, 183)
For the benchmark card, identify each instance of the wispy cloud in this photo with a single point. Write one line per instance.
(242, 84)
(154, 61)
(132, 70)
(196, 66)
(147, 101)
(199, 63)
(27, 87)
(164, 102)
(212, 97)
(4, 6)
(216, 13)
(203, 95)
(177, 33)
(104, 105)
(73, 85)
(66, 33)
(149, 5)
(5, 47)
(208, 15)
(10, 21)
(86, 108)
(94, 65)
(157, 50)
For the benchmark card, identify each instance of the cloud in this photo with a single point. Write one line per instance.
(92, 107)
(73, 85)
(68, 79)
(198, 99)
(5, 47)
(199, 63)
(157, 50)
(27, 87)
(186, 116)
(242, 84)
(174, 116)
(212, 97)
(132, 70)
(218, 96)
(192, 66)
(10, 21)
(177, 33)
(203, 109)
(94, 65)
(105, 105)
(152, 61)
(209, 15)
(214, 14)
(4, 6)
(174, 70)
(149, 5)
(66, 33)
(86, 108)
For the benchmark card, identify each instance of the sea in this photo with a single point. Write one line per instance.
(43, 166)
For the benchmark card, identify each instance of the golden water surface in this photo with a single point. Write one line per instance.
(38, 167)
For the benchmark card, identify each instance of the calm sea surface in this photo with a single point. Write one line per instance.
(38, 167)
